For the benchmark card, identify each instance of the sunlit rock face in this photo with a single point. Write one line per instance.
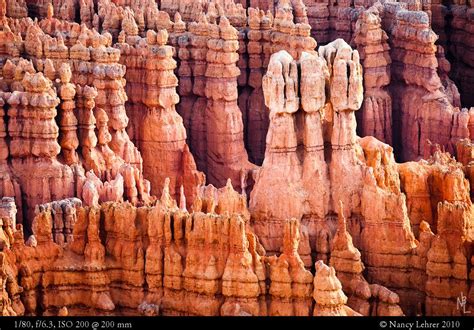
(235, 158)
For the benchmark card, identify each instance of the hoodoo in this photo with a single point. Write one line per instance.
(236, 158)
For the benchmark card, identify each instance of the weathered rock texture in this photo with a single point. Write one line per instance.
(226, 155)
(461, 47)
(413, 123)
(33, 136)
(200, 263)
(330, 300)
(190, 39)
(384, 202)
(328, 21)
(358, 22)
(110, 109)
(157, 128)
(346, 259)
(375, 117)
(453, 22)
(52, 115)
(208, 56)
(295, 156)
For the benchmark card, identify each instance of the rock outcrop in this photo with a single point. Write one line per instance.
(413, 123)
(295, 155)
(158, 129)
(40, 91)
(16, 9)
(330, 300)
(346, 260)
(68, 140)
(33, 133)
(291, 284)
(181, 263)
(110, 109)
(9, 185)
(374, 194)
(375, 117)
(226, 154)
(460, 39)
(209, 107)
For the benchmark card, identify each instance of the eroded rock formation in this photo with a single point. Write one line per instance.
(199, 263)
(34, 132)
(158, 129)
(295, 156)
(110, 110)
(375, 117)
(383, 200)
(460, 39)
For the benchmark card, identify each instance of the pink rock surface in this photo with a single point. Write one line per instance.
(226, 155)
(33, 144)
(346, 259)
(284, 90)
(425, 85)
(221, 268)
(375, 117)
(330, 300)
(109, 107)
(461, 47)
(159, 130)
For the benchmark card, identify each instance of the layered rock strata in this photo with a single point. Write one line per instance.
(33, 133)
(346, 260)
(375, 117)
(158, 129)
(402, 195)
(226, 154)
(330, 300)
(180, 263)
(79, 109)
(295, 154)
(411, 121)
(461, 43)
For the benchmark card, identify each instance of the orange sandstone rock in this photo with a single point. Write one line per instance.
(88, 94)
(330, 300)
(375, 117)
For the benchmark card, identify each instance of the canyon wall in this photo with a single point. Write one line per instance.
(357, 23)
(67, 126)
(382, 200)
(134, 135)
(460, 48)
(170, 262)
